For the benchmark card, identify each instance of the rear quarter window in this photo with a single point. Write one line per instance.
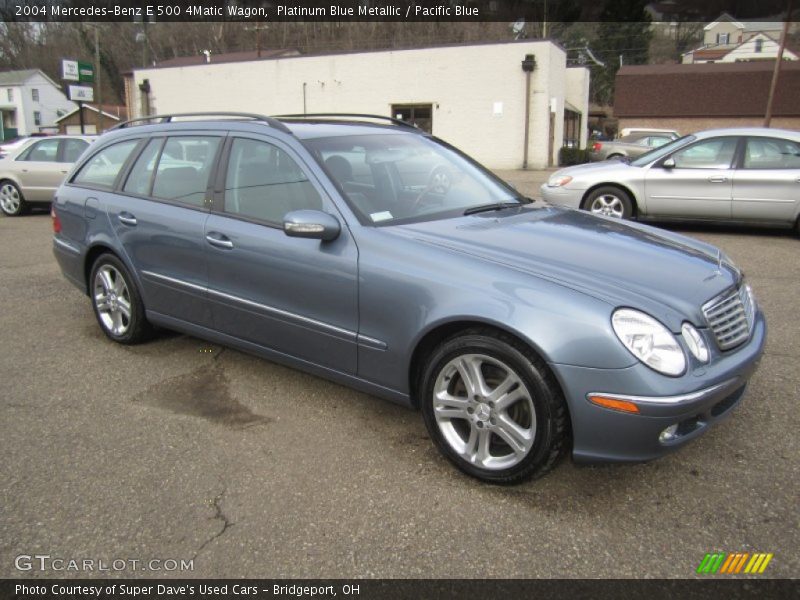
(103, 168)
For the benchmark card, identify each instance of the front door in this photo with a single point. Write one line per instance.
(767, 185)
(292, 295)
(699, 185)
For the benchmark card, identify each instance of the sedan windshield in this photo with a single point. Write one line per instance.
(399, 178)
(656, 153)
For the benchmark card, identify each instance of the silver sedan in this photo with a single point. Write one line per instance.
(732, 175)
(31, 174)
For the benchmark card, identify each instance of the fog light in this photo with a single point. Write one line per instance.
(668, 434)
(695, 342)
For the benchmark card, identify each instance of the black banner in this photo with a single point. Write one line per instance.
(564, 11)
(399, 589)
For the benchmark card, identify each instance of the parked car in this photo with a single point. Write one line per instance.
(647, 131)
(522, 331)
(30, 175)
(747, 175)
(629, 146)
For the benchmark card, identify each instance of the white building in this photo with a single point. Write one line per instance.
(30, 102)
(472, 96)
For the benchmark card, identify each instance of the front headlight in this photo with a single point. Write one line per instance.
(649, 341)
(558, 180)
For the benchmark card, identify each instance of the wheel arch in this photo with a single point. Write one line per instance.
(624, 188)
(430, 339)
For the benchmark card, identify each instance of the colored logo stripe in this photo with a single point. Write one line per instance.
(734, 563)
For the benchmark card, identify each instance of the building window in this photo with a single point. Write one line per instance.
(759, 45)
(35, 95)
(723, 38)
(420, 115)
(10, 93)
(37, 118)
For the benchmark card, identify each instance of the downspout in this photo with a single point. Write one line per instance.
(528, 65)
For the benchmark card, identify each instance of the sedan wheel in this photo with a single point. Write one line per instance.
(493, 408)
(116, 302)
(610, 202)
(11, 201)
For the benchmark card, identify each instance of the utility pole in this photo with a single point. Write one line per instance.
(98, 78)
(778, 61)
(258, 29)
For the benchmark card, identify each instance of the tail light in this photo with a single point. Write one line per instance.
(596, 147)
(56, 220)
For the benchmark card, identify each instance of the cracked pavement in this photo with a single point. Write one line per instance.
(176, 449)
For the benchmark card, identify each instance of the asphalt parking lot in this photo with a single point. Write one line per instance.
(178, 449)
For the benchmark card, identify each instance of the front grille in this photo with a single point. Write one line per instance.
(730, 317)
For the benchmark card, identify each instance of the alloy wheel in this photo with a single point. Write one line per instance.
(112, 300)
(484, 411)
(10, 199)
(608, 205)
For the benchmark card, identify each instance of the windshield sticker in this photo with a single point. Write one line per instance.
(380, 216)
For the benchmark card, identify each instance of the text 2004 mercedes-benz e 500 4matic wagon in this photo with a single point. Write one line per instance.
(385, 259)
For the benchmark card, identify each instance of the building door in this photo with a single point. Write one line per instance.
(420, 115)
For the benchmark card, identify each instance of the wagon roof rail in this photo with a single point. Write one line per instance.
(398, 122)
(272, 122)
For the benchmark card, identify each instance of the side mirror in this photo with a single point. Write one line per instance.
(313, 224)
(669, 163)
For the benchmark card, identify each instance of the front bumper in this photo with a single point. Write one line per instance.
(695, 401)
(561, 196)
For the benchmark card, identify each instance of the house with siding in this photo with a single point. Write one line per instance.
(30, 102)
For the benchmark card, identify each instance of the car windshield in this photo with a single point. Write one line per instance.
(656, 153)
(399, 178)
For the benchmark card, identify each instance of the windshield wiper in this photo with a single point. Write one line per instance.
(489, 207)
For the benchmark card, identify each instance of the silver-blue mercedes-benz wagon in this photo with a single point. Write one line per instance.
(360, 249)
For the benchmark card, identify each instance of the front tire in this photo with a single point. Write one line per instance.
(116, 302)
(12, 202)
(493, 408)
(609, 201)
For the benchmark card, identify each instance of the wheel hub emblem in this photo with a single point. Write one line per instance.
(483, 412)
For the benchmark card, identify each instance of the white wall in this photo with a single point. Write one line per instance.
(747, 50)
(462, 82)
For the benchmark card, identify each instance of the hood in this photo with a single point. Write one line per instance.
(609, 167)
(626, 264)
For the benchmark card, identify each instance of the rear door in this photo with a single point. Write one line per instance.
(39, 170)
(766, 187)
(296, 296)
(700, 183)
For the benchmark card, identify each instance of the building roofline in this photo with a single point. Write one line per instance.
(90, 107)
(364, 51)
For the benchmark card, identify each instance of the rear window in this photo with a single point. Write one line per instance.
(103, 168)
(184, 169)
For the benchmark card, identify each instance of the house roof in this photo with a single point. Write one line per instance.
(705, 90)
(709, 53)
(122, 112)
(18, 77)
(723, 18)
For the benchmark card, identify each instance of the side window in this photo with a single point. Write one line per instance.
(263, 182)
(44, 151)
(771, 153)
(71, 150)
(141, 177)
(184, 168)
(102, 169)
(657, 141)
(714, 153)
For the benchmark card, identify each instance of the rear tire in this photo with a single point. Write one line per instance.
(116, 301)
(610, 201)
(12, 202)
(493, 408)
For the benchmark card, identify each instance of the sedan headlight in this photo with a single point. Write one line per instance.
(649, 341)
(695, 342)
(558, 180)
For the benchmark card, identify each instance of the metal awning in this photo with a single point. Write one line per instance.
(570, 107)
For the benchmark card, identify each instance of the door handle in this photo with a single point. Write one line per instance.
(219, 240)
(127, 218)
(718, 179)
